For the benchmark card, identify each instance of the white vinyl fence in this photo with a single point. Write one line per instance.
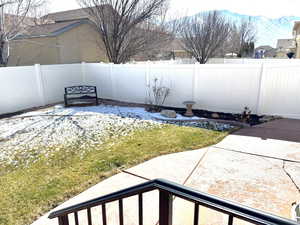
(252, 61)
(223, 61)
(272, 89)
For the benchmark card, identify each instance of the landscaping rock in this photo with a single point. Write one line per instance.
(59, 107)
(215, 116)
(168, 113)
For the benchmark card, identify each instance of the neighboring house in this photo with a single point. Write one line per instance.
(75, 14)
(69, 38)
(265, 51)
(172, 49)
(296, 32)
(284, 46)
(176, 50)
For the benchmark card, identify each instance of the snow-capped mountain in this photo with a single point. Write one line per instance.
(268, 30)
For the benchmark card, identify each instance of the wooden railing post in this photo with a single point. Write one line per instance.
(165, 208)
(63, 220)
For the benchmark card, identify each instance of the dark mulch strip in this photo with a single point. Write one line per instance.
(8, 115)
(254, 119)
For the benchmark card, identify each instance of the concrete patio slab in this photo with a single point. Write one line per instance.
(269, 147)
(254, 181)
(257, 181)
(250, 180)
(293, 170)
(174, 167)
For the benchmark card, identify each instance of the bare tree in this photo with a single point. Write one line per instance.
(203, 36)
(127, 27)
(242, 38)
(13, 22)
(38, 14)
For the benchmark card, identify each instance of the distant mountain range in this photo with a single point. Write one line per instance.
(268, 30)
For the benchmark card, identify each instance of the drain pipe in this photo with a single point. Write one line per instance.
(296, 211)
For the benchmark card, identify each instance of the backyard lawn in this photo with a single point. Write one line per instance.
(63, 155)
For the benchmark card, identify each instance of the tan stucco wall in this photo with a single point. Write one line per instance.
(91, 45)
(34, 51)
(297, 39)
(80, 44)
(298, 47)
(281, 54)
(182, 54)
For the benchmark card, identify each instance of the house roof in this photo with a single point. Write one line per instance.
(264, 47)
(75, 14)
(51, 29)
(267, 49)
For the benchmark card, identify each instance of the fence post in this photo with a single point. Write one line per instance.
(147, 77)
(148, 72)
(165, 208)
(258, 109)
(112, 81)
(83, 72)
(194, 84)
(40, 83)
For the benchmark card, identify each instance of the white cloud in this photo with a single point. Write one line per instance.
(268, 8)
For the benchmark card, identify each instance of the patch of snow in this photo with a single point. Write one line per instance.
(24, 138)
(179, 118)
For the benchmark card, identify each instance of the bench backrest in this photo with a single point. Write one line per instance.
(83, 89)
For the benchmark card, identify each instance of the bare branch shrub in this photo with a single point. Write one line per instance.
(246, 115)
(157, 94)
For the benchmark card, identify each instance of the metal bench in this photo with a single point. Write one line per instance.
(80, 95)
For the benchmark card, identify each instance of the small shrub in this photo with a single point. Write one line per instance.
(157, 95)
(246, 115)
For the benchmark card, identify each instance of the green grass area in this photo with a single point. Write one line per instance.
(28, 192)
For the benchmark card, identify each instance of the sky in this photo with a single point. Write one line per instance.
(267, 8)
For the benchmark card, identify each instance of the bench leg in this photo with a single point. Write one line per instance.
(66, 102)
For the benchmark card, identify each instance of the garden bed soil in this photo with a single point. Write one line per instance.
(222, 117)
